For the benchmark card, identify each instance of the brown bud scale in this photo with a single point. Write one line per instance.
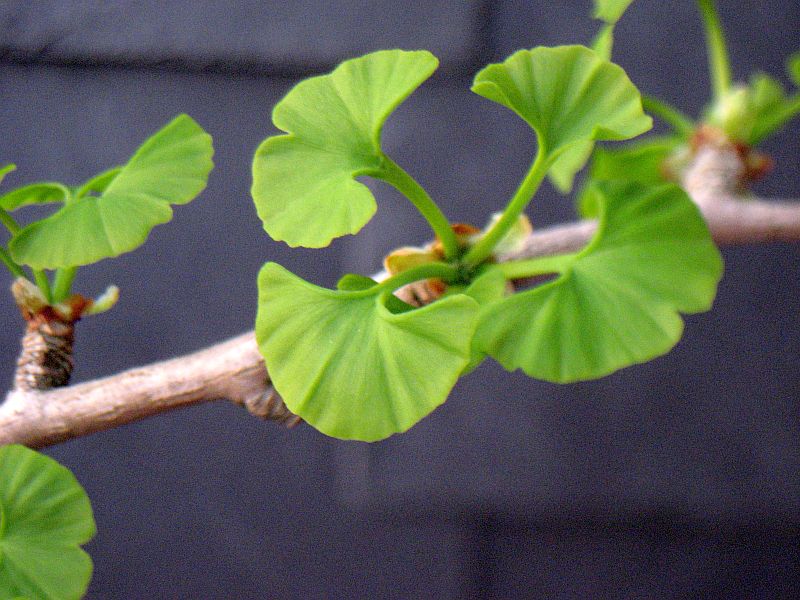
(46, 359)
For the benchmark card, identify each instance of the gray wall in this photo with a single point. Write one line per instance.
(674, 479)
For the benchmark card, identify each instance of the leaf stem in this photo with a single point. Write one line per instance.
(680, 122)
(8, 221)
(43, 284)
(15, 269)
(427, 271)
(39, 276)
(533, 179)
(393, 174)
(718, 61)
(63, 283)
(519, 269)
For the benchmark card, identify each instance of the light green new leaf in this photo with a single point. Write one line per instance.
(349, 366)
(304, 184)
(171, 167)
(617, 302)
(751, 113)
(769, 107)
(642, 161)
(610, 11)
(570, 97)
(572, 160)
(34, 193)
(46, 517)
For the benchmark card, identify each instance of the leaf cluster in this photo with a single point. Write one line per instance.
(359, 363)
(744, 113)
(111, 213)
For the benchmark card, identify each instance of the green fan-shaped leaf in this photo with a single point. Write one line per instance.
(610, 11)
(349, 366)
(566, 166)
(46, 518)
(642, 161)
(34, 193)
(617, 302)
(570, 97)
(171, 167)
(303, 182)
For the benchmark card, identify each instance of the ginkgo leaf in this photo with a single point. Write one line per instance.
(304, 184)
(617, 302)
(768, 107)
(570, 97)
(566, 166)
(610, 11)
(34, 193)
(46, 517)
(643, 161)
(171, 167)
(563, 171)
(349, 366)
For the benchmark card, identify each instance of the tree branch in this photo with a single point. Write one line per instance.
(234, 370)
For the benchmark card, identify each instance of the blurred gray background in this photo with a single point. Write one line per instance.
(675, 479)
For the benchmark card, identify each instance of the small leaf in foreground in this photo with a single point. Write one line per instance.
(46, 517)
(171, 167)
(304, 184)
(570, 97)
(348, 365)
(618, 301)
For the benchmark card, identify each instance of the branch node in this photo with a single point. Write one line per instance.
(269, 406)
